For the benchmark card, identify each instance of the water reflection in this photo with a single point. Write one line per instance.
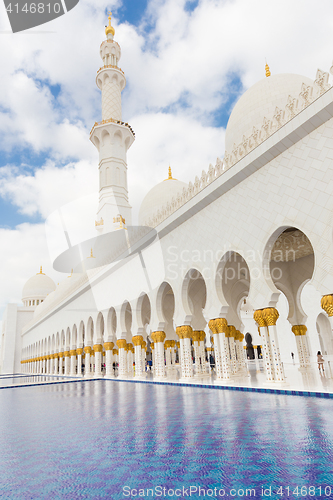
(87, 439)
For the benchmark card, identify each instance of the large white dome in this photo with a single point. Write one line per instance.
(159, 196)
(38, 287)
(58, 294)
(259, 102)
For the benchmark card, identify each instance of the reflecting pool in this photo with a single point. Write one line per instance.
(106, 439)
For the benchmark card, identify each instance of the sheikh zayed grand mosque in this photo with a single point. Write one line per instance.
(235, 265)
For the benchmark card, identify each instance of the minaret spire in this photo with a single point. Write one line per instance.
(112, 137)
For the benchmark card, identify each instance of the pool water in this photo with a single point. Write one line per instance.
(102, 439)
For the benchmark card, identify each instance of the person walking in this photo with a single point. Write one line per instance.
(320, 361)
(292, 356)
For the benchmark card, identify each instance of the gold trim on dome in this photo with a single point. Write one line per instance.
(170, 178)
(41, 270)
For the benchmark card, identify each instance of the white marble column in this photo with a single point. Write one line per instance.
(300, 333)
(138, 352)
(185, 333)
(72, 354)
(220, 326)
(56, 364)
(198, 335)
(130, 352)
(79, 352)
(158, 339)
(122, 370)
(108, 346)
(67, 362)
(87, 369)
(51, 364)
(61, 361)
(98, 350)
(232, 347)
(271, 315)
(266, 347)
(173, 356)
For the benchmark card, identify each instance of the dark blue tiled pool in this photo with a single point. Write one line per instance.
(101, 439)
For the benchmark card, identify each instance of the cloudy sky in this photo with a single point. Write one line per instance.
(186, 63)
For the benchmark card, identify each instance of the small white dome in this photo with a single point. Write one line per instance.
(259, 102)
(159, 196)
(59, 293)
(38, 287)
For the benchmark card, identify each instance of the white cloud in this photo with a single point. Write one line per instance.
(49, 187)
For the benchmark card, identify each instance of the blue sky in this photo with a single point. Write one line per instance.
(186, 63)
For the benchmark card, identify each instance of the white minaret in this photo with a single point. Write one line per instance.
(112, 137)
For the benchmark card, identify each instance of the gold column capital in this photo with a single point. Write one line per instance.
(137, 340)
(299, 330)
(232, 331)
(178, 344)
(270, 315)
(108, 346)
(79, 351)
(184, 331)
(66, 354)
(197, 335)
(98, 348)
(152, 347)
(327, 304)
(87, 349)
(72, 352)
(239, 336)
(218, 325)
(115, 352)
(121, 343)
(259, 318)
(158, 336)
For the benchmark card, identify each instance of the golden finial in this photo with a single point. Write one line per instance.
(268, 73)
(170, 176)
(109, 28)
(41, 270)
(91, 256)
